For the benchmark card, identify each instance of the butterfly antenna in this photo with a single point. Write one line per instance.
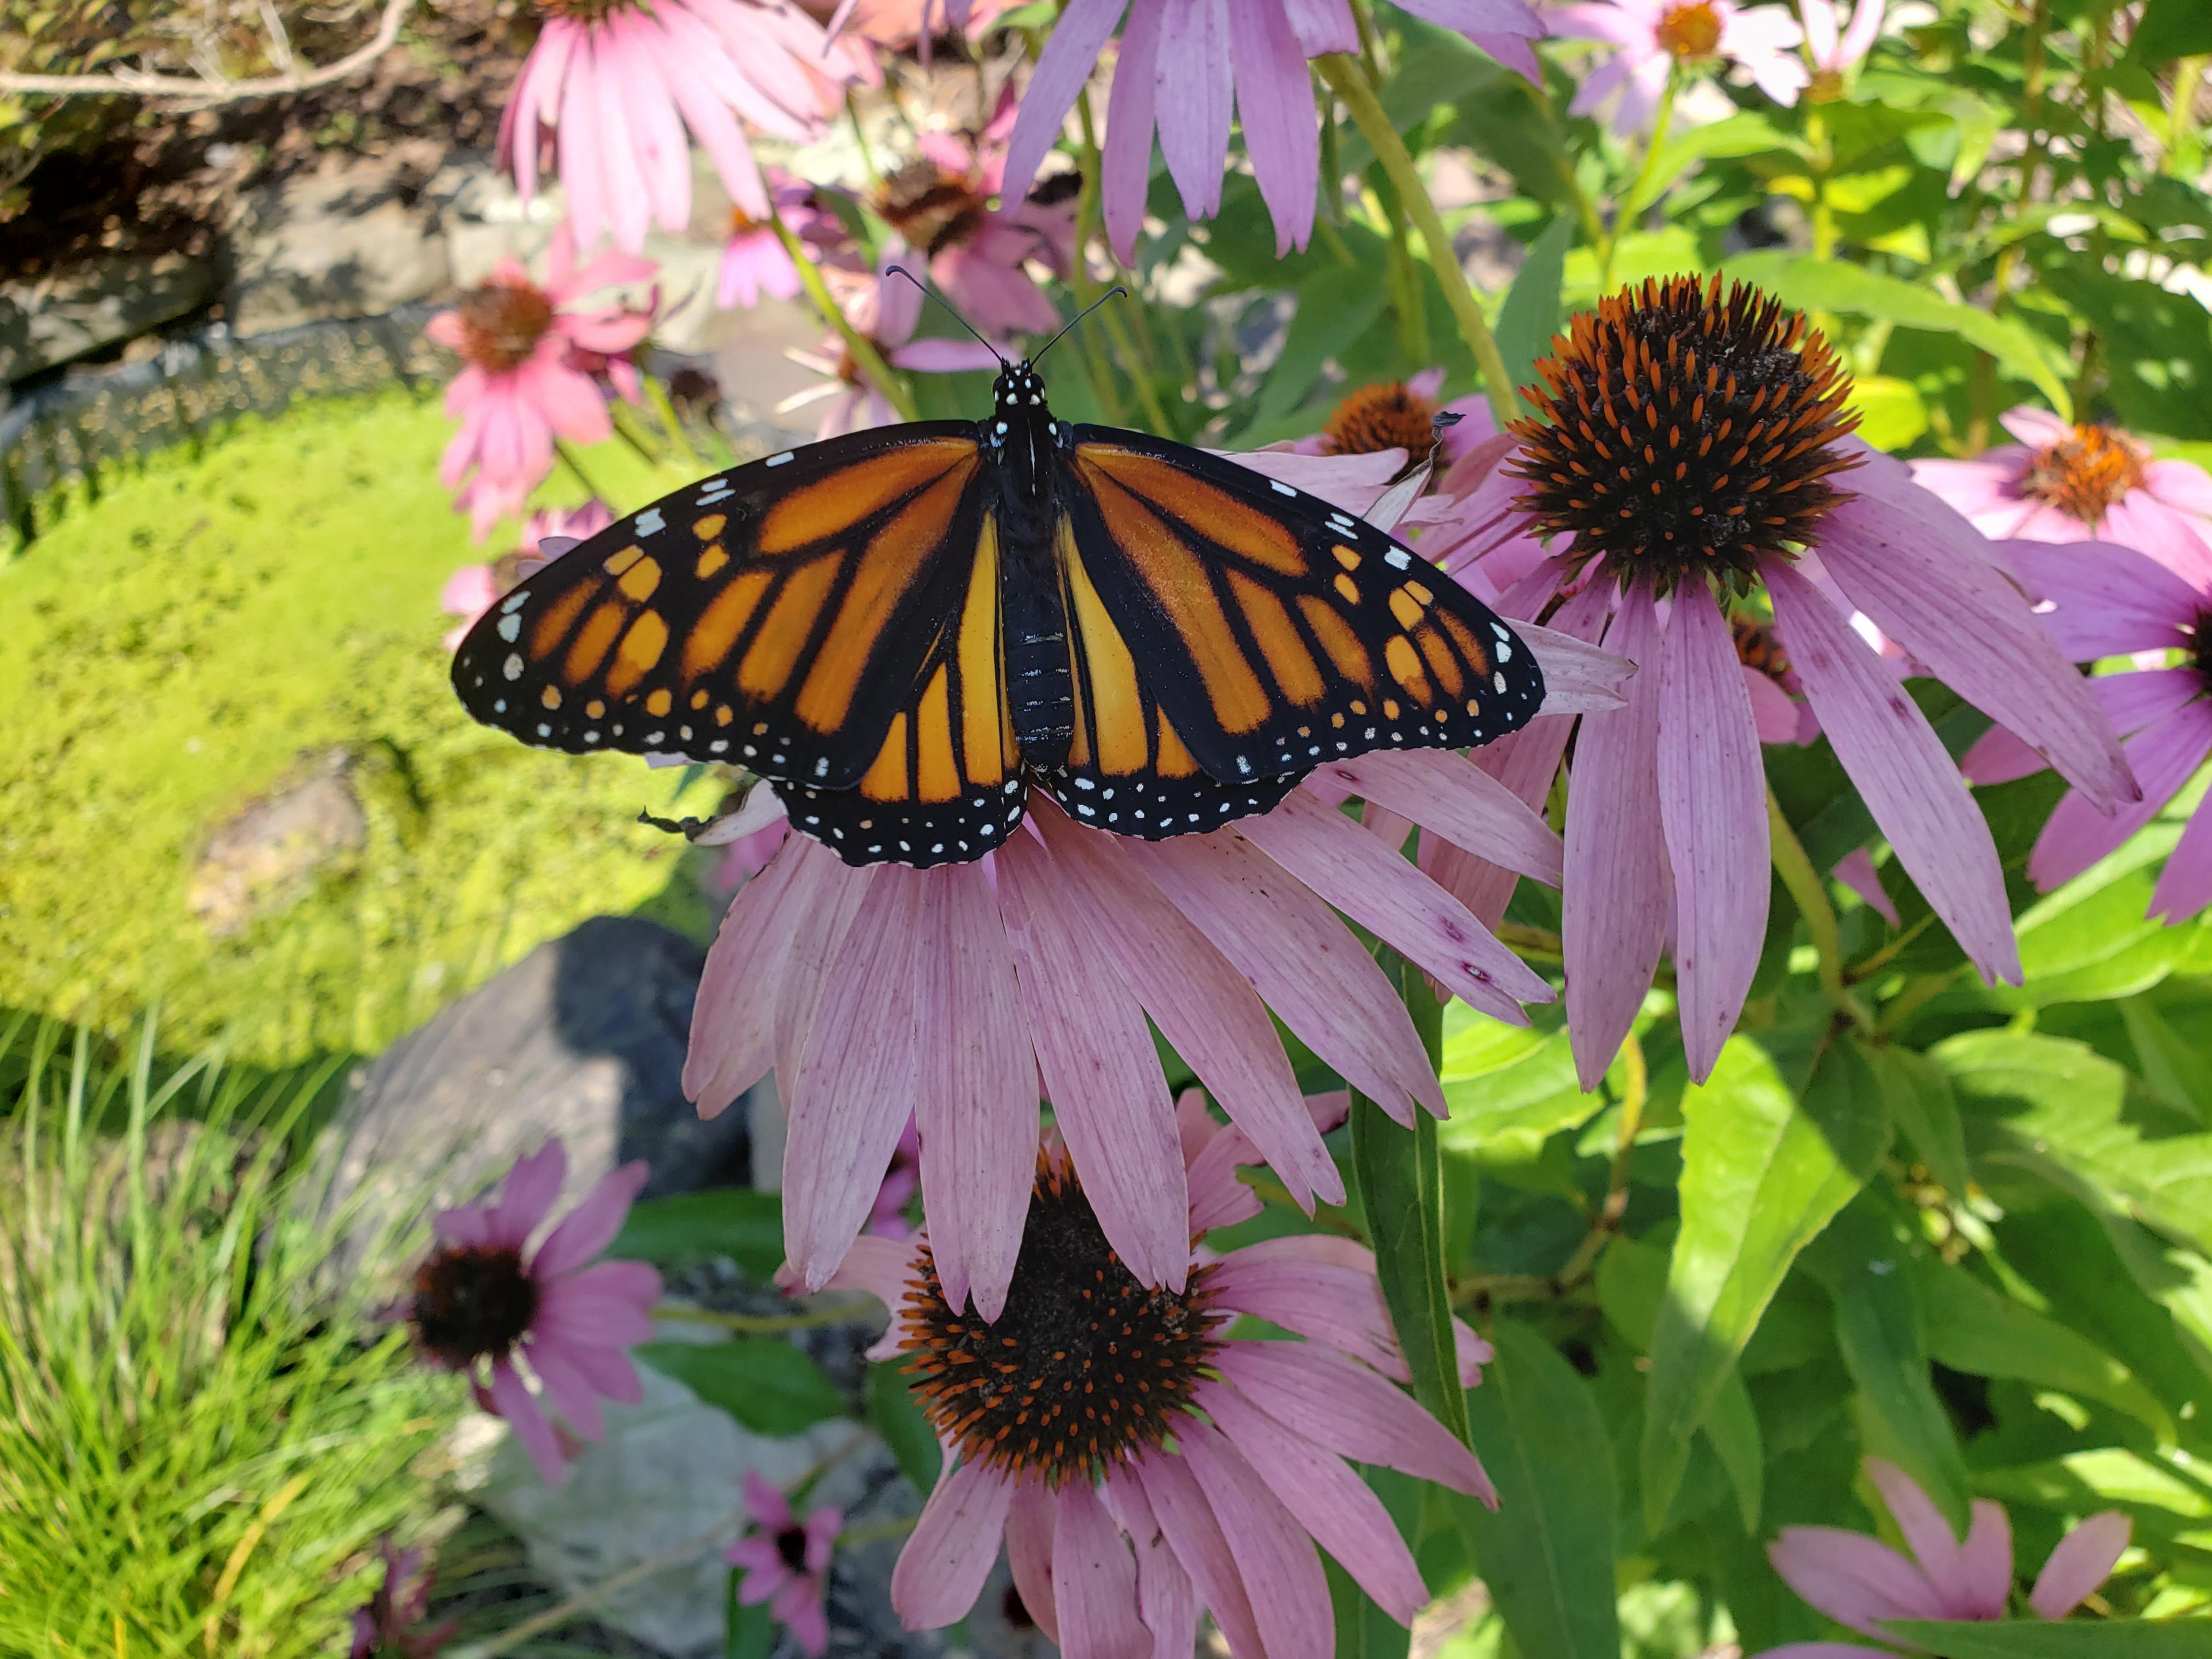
(901, 271)
(1116, 292)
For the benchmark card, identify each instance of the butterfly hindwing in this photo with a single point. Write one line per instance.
(779, 615)
(946, 784)
(1276, 631)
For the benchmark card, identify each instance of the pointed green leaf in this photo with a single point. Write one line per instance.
(2033, 1638)
(1546, 1554)
(767, 1384)
(1920, 1102)
(737, 1222)
(1402, 1195)
(1530, 315)
(1762, 1173)
(896, 1414)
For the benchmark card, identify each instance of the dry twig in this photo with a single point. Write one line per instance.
(216, 89)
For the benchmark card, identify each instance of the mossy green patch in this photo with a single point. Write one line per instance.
(190, 639)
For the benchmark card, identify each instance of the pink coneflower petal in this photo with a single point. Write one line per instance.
(2131, 701)
(606, 1305)
(1984, 1578)
(591, 1226)
(1275, 1556)
(528, 1195)
(1459, 801)
(1194, 1534)
(1094, 1579)
(1205, 1009)
(978, 1111)
(1319, 26)
(1323, 1494)
(942, 1569)
(1902, 770)
(1853, 1578)
(1482, 21)
(610, 1370)
(2165, 756)
(1196, 94)
(1916, 568)
(1029, 1552)
(2110, 601)
(572, 1394)
(809, 1624)
(856, 1084)
(1275, 104)
(1617, 892)
(1327, 1301)
(1102, 1070)
(511, 1398)
(1712, 795)
(1927, 1533)
(759, 1556)
(2083, 1559)
(1308, 966)
(2184, 886)
(1337, 1402)
(1125, 167)
(1856, 872)
(767, 1506)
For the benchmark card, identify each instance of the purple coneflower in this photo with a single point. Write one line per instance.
(1183, 66)
(2073, 483)
(475, 588)
(1652, 38)
(482, 1304)
(532, 362)
(1858, 1581)
(1401, 415)
(616, 83)
(1832, 50)
(1691, 446)
(1206, 1485)
(884, 310)
(786, 1562)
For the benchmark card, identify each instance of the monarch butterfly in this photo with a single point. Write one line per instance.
(904, 628)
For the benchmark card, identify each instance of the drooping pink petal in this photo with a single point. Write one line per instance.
(1856, 872)
(1306, 964)
(2165, 756)
(1382, 892)
(566, 1388)
(527, 1195)
(1927, 1533)
(1918, 570)
(1275, 1559)
(1063, 68)
(607, 1305)
(1196, 96)
(2135, 701)
(1205, 1009)
(799, 1610)
(609, 1370)
(1275, 105)
(1443, 793)
(1853, 1578)
(949, 1555)
(976, 1082)
(1339, 1304)
(1907, 779)
(1125, 164)
(2184, 886)
(1319, 26)
(2109, 600)
(1101, 1069)
(1030, 1550)
(1618, 889)
(857, 1084)
(1997, 756)
(591, 1226)
(1194, 1534)
(511, 1398)
(1713, 807)
(1579, 678)
(1094, 1579)
(2083, 1559)
(1985, 1572)
(1323, 1494)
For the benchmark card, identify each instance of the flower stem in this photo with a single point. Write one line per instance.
(568, 459)
(1348, 80)
(1633, 205)
(837, 1313)
(892, 384)
(1796, 869)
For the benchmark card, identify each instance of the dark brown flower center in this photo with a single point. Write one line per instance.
(1085, 1367)
(1379, 418)
(932, 209)
(1757, 646)
(472, 1302)
(2200, 650)
(1682, 430)
(2086, 473)
(791, 1547)
(1691, 31)
(501, 324)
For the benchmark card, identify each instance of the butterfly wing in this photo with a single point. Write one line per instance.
(944, 784)
(781, 614)
(1276, 631)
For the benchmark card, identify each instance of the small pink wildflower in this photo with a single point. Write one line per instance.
(1113, 1535)
(754, 259)
(533, 358)
(786, 1562)
(482, 1304)
(885, 310)
(1184, 66)
(616, 84)
(2073, 483)
(1652, 38)
(475, 588)
(1859, 1582)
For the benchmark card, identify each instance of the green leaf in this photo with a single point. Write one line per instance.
(1530, 315)
(1973, 1328)
(1509, 1087)
(2093, 938)
(1862, 1259)
(2035, 1638)
(1890, 411)
(1546, 1554)
(2170, 29)
(1732, 136)
(1732, 1428)
(1812, 284)
(749, 1632)
(1762, 1173)
(1920, 1102)
(896, 1414)
(766, 1383)
(1402, 1195)
(745, 1225)
(1336, 306)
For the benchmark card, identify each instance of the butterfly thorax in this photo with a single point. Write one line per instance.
(1023, 442)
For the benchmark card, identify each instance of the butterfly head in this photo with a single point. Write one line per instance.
(1018, 387)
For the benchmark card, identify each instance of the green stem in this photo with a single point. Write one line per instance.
(1633, 205)
(871, 361)
(1796, 869)
(566, 457)
(837, 1313)
(1899, 1011)
(656, 395)
(1585, 209)
(860, 140)
(1349, 82)
(1406, 296)
(1531, 941)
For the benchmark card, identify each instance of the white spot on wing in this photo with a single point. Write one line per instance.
(650, 523)
(778, 460)
(510, 628)
(1397, 558)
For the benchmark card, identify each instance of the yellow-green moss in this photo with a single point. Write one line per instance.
(178, 644)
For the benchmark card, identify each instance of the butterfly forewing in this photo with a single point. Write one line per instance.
(782, 615)
(1274, 630)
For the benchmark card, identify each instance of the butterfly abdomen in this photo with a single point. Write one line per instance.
(1040, 687)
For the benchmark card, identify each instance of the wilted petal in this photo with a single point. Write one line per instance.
(1901, 768)
(2083, 1559)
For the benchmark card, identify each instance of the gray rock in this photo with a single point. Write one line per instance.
(63, 316)
(347, 244)
(273, 850)
(583, 1038)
